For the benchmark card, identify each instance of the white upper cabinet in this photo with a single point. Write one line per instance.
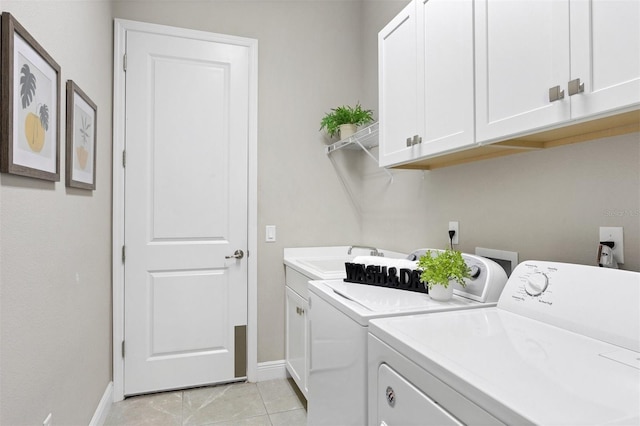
(426, 81)
(398, 85)
(446, 54)
(541, 64)
(500, 76)
(605, 55)
(522, 56)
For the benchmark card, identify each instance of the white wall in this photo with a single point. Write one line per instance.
(55, 330)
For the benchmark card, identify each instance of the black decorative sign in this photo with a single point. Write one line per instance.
(403, 279)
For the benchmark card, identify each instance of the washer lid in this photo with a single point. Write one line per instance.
(519, 369)
(362, 302)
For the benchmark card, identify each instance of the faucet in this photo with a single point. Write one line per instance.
(374, 251)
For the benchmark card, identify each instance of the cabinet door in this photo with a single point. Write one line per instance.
(446, 50)
(522, 50)
(296, 339)
(605, 55)
(398, 86)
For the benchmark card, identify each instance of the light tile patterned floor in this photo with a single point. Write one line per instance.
(270, 403)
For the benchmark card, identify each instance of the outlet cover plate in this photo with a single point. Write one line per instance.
(615, 234)
(455, 226)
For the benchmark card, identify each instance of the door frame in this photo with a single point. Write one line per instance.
(121, 27)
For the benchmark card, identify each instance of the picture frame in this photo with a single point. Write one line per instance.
(82, 133)
(30, 105)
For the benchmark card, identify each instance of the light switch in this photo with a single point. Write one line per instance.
(270, 234)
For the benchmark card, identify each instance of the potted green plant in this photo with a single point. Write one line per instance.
(439, 269)
(345, 119)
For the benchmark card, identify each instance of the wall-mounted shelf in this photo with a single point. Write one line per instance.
(365, 139)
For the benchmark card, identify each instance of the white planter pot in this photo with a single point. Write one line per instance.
(347, 130)
(438, 292)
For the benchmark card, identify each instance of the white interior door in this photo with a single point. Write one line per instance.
(186, 187)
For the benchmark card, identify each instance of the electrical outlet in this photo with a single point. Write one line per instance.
(455, 226)
(48, 420)
(609, 233)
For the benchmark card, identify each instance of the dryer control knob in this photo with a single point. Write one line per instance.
(536, 284)
(474, 272)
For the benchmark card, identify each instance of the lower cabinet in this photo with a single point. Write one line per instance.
(297, 341)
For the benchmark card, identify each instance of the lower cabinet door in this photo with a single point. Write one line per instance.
(296, 339)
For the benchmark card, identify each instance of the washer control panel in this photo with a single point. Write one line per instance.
(581, 298)
(536, 283)
(533, 282)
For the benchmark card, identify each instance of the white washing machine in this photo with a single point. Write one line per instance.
(561, 347)
(339, 314)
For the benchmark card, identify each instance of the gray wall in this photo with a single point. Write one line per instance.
(313, 55)
(309, 61)
(545, 205)
(55, 243)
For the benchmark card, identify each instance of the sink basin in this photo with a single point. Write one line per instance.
(326, 263)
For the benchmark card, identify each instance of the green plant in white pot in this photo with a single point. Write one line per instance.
(345, 119)
(439, 269)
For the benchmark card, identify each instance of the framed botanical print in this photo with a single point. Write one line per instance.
(81, 124)
(30, 104)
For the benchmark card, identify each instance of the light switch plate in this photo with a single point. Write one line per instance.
(270, 234)
(615, 234)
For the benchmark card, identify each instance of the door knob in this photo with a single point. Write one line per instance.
(238, 254)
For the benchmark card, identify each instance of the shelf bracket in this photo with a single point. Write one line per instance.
(365, 139)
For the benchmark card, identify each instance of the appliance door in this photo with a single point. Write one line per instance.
(400, 403)
(338, 367)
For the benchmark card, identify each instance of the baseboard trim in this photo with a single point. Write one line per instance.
(271, 370)
(103, 408)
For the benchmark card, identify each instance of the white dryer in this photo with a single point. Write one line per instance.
(339, 315)
(561, 347)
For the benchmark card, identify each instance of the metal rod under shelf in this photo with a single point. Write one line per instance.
(358, 139)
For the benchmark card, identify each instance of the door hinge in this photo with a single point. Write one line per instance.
(124, 158)
(123, 349)
(124, 62)
(123, 254)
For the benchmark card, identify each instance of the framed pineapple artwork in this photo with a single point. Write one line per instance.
(81, 122)
(29, 103)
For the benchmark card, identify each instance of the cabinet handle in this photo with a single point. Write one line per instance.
(555, 94)
(414, 140)
(575, 87)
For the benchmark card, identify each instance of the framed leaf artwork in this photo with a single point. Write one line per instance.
(30, 105)
(82, 115)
